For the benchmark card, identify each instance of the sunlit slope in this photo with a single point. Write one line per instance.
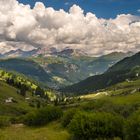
(27, 67)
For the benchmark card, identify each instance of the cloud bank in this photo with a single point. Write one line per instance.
(26, 28)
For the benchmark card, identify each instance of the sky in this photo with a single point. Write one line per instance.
(102, 8)
(96, 27)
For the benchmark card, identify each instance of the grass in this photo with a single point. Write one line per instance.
(125, 92)
(52, 131)
(6, 92)
(116, 90)
(122, 93)
(129, 99)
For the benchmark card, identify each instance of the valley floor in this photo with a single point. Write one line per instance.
(52, 131)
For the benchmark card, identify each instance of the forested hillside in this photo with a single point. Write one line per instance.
(128, 68)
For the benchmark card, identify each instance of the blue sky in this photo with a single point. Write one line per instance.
(102, 8)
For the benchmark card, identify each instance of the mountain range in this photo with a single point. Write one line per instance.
(59, 68)
(18, 53)
(126, 69)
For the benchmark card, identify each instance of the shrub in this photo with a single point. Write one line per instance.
(96, 125)
(17, 119)
(132, 127)
(4, 121)
(43, 116)
(103, 105)
(68, 116)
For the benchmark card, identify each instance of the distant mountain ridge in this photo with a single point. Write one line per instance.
(126, 64)
(62, 68)
(19, 53)
(45, 52)
(116, 55)
(67, 52)
(69, 69)
(128, 68)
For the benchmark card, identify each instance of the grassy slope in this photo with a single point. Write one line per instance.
(7, 91)
(118, 89)
(125, 93)
(52, 131)
(118, 94)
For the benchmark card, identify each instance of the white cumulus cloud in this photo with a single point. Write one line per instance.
(138, 10)
(28, 28)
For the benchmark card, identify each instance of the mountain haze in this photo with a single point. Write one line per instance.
(59, 69)
(128, 68)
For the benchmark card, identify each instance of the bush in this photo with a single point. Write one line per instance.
(132, 127)
(103, 105)
(4, 121)
(16, 120)
(68, 116)
(96, 125)
(43, 116)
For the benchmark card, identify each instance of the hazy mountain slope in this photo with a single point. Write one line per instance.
(26, 67)
(126, 63)
(70, 67)
(117, 73)
(61, 68)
